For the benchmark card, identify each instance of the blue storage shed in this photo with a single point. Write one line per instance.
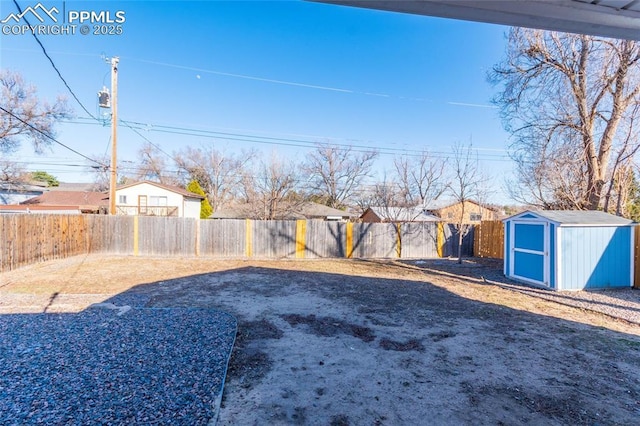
(569, 250)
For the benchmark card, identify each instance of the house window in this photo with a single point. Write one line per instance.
(158, 201)
(449, 215)
(475, 217)
(122, 199)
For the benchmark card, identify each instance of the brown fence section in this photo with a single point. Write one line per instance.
(489, 239)
(26, 239)
(30, 238)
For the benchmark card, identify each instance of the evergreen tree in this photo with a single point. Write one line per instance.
(42, 176)
(205, 208)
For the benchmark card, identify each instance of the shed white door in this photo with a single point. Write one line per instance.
(530, 248)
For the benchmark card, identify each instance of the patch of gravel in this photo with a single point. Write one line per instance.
(113, 365)
(622, 304)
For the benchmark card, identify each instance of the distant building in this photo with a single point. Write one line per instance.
(83, 201)
(154, 199)
(397, 214)
(450, 211)
(15, 193)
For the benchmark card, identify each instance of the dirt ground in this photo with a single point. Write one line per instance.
(347, 342)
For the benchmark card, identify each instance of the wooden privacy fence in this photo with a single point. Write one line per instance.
(26, 239)
(31, 238)
(489, 239)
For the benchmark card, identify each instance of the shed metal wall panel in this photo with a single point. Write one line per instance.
(595, 257)
(552, 255)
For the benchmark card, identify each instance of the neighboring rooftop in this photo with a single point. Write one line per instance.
(171, 188)
(403, 214)
(70, 198)
(75, 186)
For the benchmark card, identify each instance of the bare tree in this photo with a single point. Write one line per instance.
(219, 174)
(421, 178)
(11, 172)
(273, 192)
(25, 116)
(100, 169)
(336, 173)
(152, 165)
(570, 102)
(468, 183)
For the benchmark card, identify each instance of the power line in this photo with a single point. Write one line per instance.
(52, 63)
(146, 139)
(301, 143)
(50, 137)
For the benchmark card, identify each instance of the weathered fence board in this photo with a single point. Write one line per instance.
(224, 238)
(111, 234)
(274, 239)
(418, 240)
(167, 236)
(374, 240)
(325, 239)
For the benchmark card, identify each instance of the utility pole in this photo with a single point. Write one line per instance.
(114, 136)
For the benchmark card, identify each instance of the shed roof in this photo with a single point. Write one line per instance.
(578, 217)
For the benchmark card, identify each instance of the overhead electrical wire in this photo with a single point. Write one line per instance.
(300, 143)
(52, 63)
(146, 139)
(50, 137)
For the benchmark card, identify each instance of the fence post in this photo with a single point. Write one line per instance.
(440, 240)
(135, 235)
(301, 231)
(349, 243)
(248, 248)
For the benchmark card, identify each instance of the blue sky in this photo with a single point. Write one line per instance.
(282, 72)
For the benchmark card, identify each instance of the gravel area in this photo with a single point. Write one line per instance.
(114, 365)
(622, 304)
